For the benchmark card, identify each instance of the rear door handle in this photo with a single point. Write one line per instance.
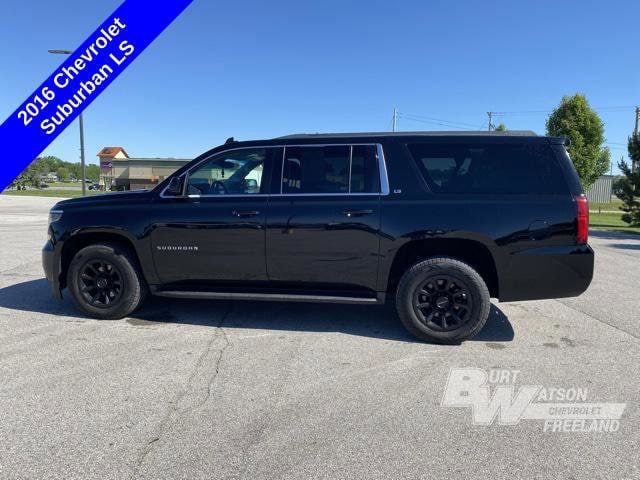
(357, 213)
(245, 214)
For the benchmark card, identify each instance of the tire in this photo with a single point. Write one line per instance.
(442, 300)
(109, 273)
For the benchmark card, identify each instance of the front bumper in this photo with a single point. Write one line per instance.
(51, 267)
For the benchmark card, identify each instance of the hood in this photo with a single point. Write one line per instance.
(101, 199)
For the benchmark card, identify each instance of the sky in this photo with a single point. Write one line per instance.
(256, 69)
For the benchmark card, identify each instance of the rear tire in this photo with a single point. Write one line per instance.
(442, 300)
(105, 282)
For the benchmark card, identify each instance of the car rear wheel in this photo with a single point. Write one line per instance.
(104, 281)
(442, 300)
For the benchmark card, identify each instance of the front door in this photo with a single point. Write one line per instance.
(323, 227)
(216, 231)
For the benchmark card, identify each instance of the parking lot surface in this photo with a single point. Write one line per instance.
(218, 389)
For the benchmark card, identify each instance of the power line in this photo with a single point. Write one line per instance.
(443, 124)
(437, 121)
(533, 112)
(424, 117)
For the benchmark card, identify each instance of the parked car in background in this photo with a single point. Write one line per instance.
(436, 222)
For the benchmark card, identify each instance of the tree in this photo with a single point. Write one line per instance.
(30, 177)
(62, 173)
(74, 170)
(93, 172)
(629, 185)
(501, 128)
(575, 120)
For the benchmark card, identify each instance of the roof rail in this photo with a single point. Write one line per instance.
(458, 133)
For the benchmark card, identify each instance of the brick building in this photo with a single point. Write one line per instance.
(120, 171)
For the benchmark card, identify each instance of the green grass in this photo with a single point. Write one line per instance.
(610, 221)
(613, 205)
(49, 192)
(65, 185)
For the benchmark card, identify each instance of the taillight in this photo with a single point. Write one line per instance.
(582, 233)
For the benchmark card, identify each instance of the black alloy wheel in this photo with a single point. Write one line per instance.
(100, 283)
(442, 302)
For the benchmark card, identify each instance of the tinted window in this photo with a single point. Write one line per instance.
(316, 170)
(489, 168)
(237, 172)
(365, 177)
(333, 169)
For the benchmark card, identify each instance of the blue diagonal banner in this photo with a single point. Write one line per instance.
(85, 74)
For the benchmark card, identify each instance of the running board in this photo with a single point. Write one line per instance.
(273, 297)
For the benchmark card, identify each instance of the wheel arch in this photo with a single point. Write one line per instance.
(78, 241)
(472, 252)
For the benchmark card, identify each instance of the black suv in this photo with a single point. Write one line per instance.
(437, 221)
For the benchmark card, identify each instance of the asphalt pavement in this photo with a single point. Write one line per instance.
(251, 390)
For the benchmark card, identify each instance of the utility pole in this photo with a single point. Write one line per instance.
(82, 165)
(634, 165)
(490, 126)
(83, 169)
(395, 119)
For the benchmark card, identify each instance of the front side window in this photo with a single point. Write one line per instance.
(330, 170)
(237, 172)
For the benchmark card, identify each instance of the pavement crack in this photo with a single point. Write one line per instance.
(176, 409)
(598, 320)
(216, 363)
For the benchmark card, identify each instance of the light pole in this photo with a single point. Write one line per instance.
(83, 172)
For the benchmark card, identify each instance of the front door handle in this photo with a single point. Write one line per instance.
(357, 213)
(245, 214)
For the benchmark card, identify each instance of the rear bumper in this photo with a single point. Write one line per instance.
(547, 272)
(51, 267)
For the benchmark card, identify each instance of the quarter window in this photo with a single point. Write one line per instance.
(489, 168)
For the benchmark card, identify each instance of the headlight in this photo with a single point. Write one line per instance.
(54, 215)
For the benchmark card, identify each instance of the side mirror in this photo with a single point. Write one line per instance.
(174, 189)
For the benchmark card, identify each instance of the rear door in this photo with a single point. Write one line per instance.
(323, 226)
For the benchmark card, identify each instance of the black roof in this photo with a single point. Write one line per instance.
(459, 133)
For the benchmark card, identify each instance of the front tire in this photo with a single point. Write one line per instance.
(104, 281)
(442, 300)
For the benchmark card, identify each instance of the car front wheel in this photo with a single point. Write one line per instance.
(442, 300)
(104, 281)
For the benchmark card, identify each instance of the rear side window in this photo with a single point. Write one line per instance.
(316, 170)
(365, 176)
(330, 169)
(489, 168)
